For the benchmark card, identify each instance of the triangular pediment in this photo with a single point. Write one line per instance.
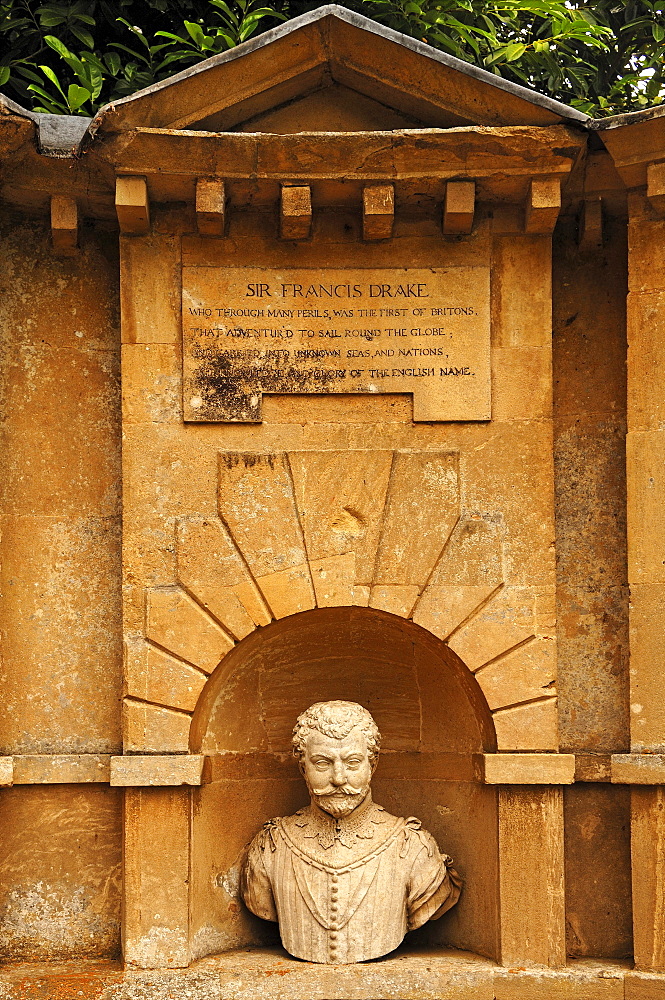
(331, 70)
(334, 108)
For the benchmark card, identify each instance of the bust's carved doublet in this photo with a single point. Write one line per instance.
(346, 890)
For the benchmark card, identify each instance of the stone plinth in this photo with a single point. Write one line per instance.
(270, 974)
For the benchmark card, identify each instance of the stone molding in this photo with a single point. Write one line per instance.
(56, 768)
(638, 769)
(186, 769)
(529, 769)
(172, 770)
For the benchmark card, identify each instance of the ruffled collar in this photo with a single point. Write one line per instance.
(361, 824)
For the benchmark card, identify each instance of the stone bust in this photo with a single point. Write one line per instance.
(344, 879)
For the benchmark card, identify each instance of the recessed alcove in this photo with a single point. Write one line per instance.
(433, 718)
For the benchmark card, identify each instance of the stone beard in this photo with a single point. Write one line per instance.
(344, 879)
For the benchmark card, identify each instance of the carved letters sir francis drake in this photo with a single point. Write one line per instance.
(344, 879)
(254, 330)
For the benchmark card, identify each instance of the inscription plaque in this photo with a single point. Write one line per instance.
(249, 331)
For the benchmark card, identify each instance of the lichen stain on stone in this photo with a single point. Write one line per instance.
(234, 392)
(60, 872)
(209, 940)
(45, 983)
(43, 918)
(230, 881)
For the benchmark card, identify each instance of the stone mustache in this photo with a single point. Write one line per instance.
(344, 879)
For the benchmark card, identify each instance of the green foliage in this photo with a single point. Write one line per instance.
(73, 57)
(42, 64)
(551, 46)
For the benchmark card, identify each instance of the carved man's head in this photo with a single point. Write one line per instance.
(337, 745)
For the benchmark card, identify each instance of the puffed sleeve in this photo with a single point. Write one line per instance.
(255, 885)
(434, 886)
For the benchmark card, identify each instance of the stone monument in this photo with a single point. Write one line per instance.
(344, 879)
(316, 385)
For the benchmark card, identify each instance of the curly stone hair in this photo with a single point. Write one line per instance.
(336, 719)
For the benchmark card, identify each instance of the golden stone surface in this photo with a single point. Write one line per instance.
(466, 578)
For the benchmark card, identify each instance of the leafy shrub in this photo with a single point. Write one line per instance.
(72, 58)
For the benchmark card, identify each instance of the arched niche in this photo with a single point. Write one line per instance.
(434, 722)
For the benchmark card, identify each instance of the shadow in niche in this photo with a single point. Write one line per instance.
(433, 719)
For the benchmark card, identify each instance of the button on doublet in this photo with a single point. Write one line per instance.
(334, 926)
(332, 942)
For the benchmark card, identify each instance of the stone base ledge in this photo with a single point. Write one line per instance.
(270, 974)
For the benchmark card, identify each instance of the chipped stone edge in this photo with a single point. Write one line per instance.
(638, 769)
(6, 772)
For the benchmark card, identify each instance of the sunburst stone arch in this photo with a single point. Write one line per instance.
(386, 530)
